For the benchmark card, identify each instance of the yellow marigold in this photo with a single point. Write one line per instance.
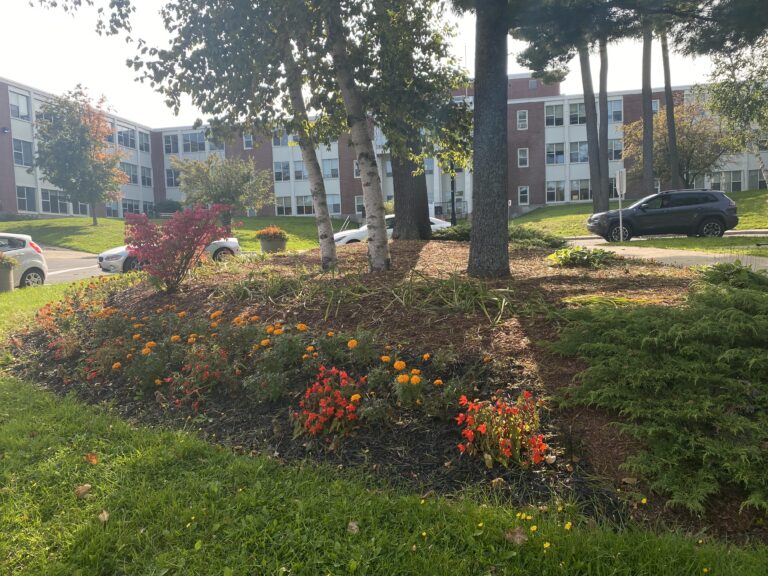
(355, 397)
(146, 351)
(330, 334)
(181, 314)
(403, 378)
(265, 342)
(426, 357)
(352, 344)
(415, 371)
(175, 338)
(136, 337)
(116, 366)
(568, 526)
(269, 329)
(399, 365)
(438, 382)
(216, 314)
(310, 348)
(150, 344)
(301, 327)
(415, 379)
(386, 359)
(278, 331)
(214, 325)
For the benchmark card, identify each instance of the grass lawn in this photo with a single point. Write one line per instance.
(79, 234)
(16, 306)
(726, 245)
(569, 219)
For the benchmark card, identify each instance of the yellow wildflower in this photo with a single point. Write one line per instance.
(547, 545)
(534, 528)
(568, 526)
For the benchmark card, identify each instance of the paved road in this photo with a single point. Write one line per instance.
(68, 265)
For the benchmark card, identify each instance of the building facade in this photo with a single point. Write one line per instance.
(547, 158)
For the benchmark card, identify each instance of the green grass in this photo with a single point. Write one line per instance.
(79, 234)
(16, 306)
(726, 245)
(569, 219)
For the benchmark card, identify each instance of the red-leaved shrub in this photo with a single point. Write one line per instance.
(167, 252)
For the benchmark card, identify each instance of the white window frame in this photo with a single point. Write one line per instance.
(126, 137)
(359, 204)
(520, 195)
(553, 115)
(20, 115)
(130, 170)
(28, 192)
(578, 114)
(579, 189)
(144, 142)
(146, 176)
(283, 206)
(330, 168)
(283, 168)
(555, 182)
(580, 146)
(171, 143)
(614, 107)
(615, 154)
(247, 141)
(334, 207)
(24, 152)
(554, 153)
(193, 142)
(522, 119)
(523, 158)
(172, 177)
(304, 205)
(133, 204)
(299, 171)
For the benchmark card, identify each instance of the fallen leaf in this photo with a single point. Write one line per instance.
(104, 517)
(516, 536)
(630, 481)
(550, 458)
(498, 483)
(91, 458)
(353, 527)
(82, 490)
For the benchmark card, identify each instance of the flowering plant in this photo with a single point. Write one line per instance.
(502, 432)
(271, 233)
(329, 405)
(7, 262)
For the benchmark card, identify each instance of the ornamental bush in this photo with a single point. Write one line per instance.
(167, 252)
(580, 257)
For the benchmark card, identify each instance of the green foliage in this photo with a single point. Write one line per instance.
(691, 383)
(581, 257)
(519, 236)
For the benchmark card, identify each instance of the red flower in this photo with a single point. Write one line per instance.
(463, 400)
(527, 394)
(482, 428)
(461, 448)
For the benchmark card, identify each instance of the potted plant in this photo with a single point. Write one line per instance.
(7, 265)
(272, 239)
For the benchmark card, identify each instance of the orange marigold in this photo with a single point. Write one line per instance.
(399, 365)
(116, 366)
(403, 378)
(352, 344)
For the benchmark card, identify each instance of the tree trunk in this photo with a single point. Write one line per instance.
(648, 184)
(94, 220)
(489, 239)
(605, 192)
(328, 259)
(593, 141)
(411, 201)
(755, 148)
(373, 199)
(669, 103)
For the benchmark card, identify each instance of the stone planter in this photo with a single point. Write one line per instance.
(269, 245)
(6, 279)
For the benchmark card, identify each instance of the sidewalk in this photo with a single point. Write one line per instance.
(728, 233)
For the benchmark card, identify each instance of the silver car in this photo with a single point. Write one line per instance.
(32, 268)
(119, 260)
(361, 234)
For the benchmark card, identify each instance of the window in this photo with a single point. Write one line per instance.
(555, 191)
(553, 115)
(655, 106)
(41, 114)
(579, 152)
(172, 177)
(334, 203)
(522, 119)
(331, 168)
(194, 141)
(388, 168)
(8, 243)
(756, 180)
(612, 191)
(143, 141)
(248, 141)
(580, 190)
(279, 138)
(22, 152)
(533, 84)
(80, 208)
(615, 111)
(112, 211)
(146, 176)
(355, 169)
(148, 207)
(299, 173)
(282, 171)
(615, 149)
(522, 195)
(25, 199)
(111, 134)
(359, 205)
(522, 157)
(214, 145)
(19, 106)
(283, 206)
(556, 153)
(728, 181)
(429, 166)
(132, 171)
(171, 142)
(304, 205)
(131, 207)
(54, 202)
(126, 137)
(578, 114)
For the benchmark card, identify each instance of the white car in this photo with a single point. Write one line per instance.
(32, 268)
(361, 234)
(118, 259)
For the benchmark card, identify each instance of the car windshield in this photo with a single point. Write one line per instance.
(642, 200)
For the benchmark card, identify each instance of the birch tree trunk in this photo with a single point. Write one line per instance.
(593, 141)
(309, 155)
(755, 149)
(373, 199)
(648, 184)
(669, 103)
(605, 193)
(489, 239)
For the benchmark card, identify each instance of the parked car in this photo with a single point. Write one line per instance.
(32, 268)
(119, 260)
(692, 212)
(361, 234)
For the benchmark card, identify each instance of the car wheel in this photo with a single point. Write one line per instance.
(32, 277)
(222, 254)
(131, 264)
(711, 228)
(616, 234)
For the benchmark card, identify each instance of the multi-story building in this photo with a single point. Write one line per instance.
(547, 158)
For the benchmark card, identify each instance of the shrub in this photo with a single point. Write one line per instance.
(167, 206)
(271, 233)
(521, 236)
(580, 257)
(329, 405)
(502, 433)
(735, 274)
(7, 262)
(167, 252)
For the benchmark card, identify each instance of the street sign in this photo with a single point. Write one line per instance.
(621, 182)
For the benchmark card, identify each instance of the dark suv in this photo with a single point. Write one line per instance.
(691, 212)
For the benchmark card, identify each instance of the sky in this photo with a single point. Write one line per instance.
(53, 51)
